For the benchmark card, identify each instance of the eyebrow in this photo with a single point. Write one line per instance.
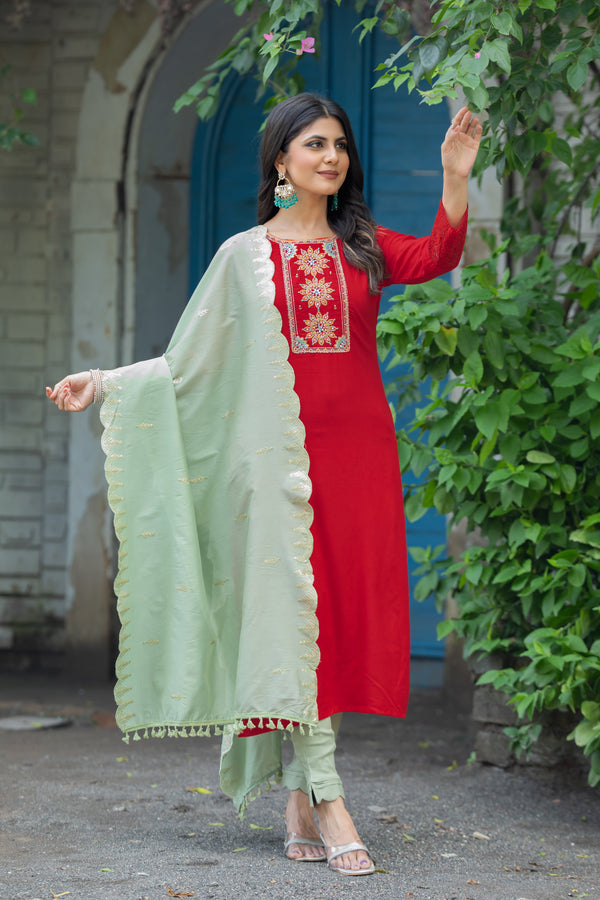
(311, 137)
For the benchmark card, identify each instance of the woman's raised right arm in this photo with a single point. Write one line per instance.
(75, 393)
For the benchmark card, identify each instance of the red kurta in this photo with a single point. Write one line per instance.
(359, 557)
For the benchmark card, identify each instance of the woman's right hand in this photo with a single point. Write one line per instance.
(73, 393)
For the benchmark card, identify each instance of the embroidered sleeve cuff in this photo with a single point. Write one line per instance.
(446, 243)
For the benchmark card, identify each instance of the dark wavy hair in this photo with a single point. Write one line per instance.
(352, 221)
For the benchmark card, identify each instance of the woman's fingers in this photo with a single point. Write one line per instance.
(472, 126)
(60, 394)
(52, 393)
(463, 116)
(465, 121)
(72, 393)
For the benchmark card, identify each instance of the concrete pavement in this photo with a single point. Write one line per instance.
(86, 817)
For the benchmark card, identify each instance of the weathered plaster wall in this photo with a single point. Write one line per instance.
(130, 239)
(126, 44)
(70, 254)
(57, 235)
(51, 54)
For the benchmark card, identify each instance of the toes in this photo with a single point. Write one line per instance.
(351, 861)
(304, 851)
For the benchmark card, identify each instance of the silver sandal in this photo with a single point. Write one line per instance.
(298, 839)
(335, 852)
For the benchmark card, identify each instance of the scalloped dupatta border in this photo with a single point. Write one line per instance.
(301, 489)
(298, 460)
(298, 519)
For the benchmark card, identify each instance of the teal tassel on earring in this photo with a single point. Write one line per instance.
(334, 202)
(285, 193)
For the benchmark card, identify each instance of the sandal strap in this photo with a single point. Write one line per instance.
(334, 852)
(298, 839)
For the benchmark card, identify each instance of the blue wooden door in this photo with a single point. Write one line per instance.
(399, 144)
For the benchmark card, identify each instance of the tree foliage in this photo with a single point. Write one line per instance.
(268, 46)
(508, 437)
(270, 42)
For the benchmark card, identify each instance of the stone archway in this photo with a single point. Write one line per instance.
(126, 231)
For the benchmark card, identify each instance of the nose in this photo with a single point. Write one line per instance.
(331, 154)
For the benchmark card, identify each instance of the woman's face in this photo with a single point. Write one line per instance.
(316, 161)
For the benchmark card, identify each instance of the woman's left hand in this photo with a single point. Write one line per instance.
(461, 144)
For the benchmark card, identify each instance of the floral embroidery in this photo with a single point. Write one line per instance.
(312, 261)
(317, 292)
(319, 329)
(312, 329)
(288, 250)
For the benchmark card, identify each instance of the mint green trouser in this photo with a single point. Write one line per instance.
(312, 769)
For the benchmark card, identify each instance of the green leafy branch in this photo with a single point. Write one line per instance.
(509, 60)
(11, 131)
(269, 49)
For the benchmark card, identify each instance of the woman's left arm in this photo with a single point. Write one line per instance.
(413, 260)
(459, 151)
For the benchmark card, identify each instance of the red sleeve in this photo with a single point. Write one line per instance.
(412, 260)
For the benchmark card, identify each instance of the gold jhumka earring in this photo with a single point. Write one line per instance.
(285, 193)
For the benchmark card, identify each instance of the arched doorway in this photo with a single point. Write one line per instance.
(129, 274)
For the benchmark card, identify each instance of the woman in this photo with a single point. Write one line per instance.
(256, 601)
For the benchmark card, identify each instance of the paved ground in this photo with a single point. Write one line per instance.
(85, 817)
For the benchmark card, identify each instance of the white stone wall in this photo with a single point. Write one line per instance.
(51, 53)
(68, 269)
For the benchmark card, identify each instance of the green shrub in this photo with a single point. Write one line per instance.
(511, 444)
(508, 435)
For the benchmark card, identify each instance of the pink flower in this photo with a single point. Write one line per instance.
(268, 37)
(307, 46)
(477, 55)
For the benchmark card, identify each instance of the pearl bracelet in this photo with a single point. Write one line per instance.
(98, 385)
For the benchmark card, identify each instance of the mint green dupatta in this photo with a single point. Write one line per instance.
(208, 482)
